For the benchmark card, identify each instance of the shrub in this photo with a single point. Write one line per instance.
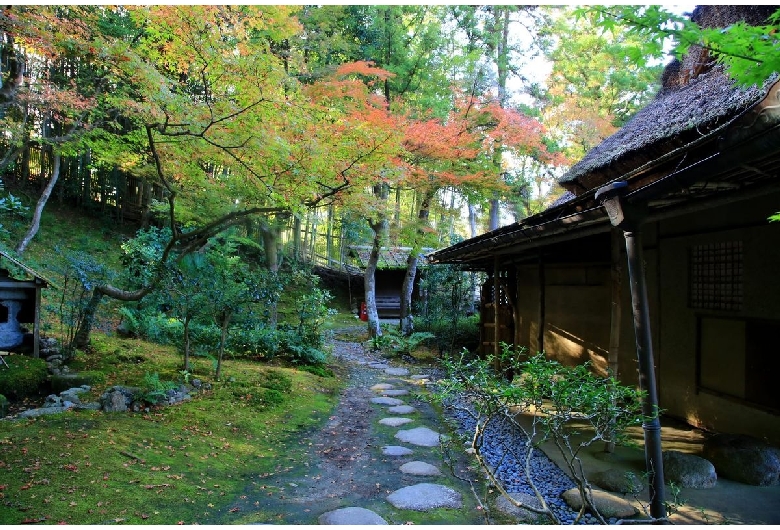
(25, 376)
(3, 405)
(155, 391)
(452, 336)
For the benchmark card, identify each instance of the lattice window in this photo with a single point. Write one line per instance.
(716, 276)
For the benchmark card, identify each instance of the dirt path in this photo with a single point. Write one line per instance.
(345, 465)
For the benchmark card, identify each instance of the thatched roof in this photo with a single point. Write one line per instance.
(696, 100)
(389, 257)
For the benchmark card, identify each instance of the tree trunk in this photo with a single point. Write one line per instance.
(36, 220)
(380, 228)
(225, 320)
(270, 239)
(472, 219)
(187, 320)
(406, 324)
(494, 214)
(81, 338)
(297, 254)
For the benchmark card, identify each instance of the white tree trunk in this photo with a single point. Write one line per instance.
(35, 224)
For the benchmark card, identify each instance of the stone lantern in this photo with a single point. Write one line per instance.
(20, 302)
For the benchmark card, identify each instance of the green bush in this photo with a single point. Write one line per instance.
(3, 405)
(452, 336)
(155, 390)
(25, 376)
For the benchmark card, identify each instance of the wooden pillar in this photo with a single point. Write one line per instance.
(496, 315)
(542, 294)
(614, 319)
(37, 324)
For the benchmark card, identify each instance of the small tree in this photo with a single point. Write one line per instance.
(556, 396)
(224, 290)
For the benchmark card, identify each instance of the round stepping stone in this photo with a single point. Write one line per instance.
(422, 436)
(396, 450)
(402, 409)
(424, 497)
(350, 516)
(399, 392)
(395, 422)
(420, 469)
(387, 401)
(419, 377)
(382, 386)
(397, 371)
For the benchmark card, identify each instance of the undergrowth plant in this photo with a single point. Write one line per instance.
(563, 401)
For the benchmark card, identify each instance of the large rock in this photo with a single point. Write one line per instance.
(617, 481)
(523, 515)
(607, 504)
(114, 401)
(743, 459)
(689, 471)
(424, 497)
(351, 516)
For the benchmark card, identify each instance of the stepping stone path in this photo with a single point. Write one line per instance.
(420, 497)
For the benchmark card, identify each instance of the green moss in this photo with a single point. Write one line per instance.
(24, 377)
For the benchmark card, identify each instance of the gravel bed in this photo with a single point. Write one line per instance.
(503, 450)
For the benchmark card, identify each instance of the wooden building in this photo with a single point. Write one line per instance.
(390, 272)
(699, 170)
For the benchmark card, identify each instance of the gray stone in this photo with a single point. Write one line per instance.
(402, 409)
(689, 471)
(422, 436)
(52, 401)
(114, 401)
(424, 497)
(420, 469)
(419, 377)
(396, 450)
(378, 366)
(351, 516)
(523, 515)
(743, 459)
(382, 386)
(616, 480)
(387, 401)
(607, 504)
(395, 422)
(34, 413)
(397, 371)
(398, 392)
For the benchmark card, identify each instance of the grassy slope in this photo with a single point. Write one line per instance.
(171, 464)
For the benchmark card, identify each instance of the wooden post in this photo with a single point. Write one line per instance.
(614, 321)
(496, 316)
(540, 331)
(37, 323)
